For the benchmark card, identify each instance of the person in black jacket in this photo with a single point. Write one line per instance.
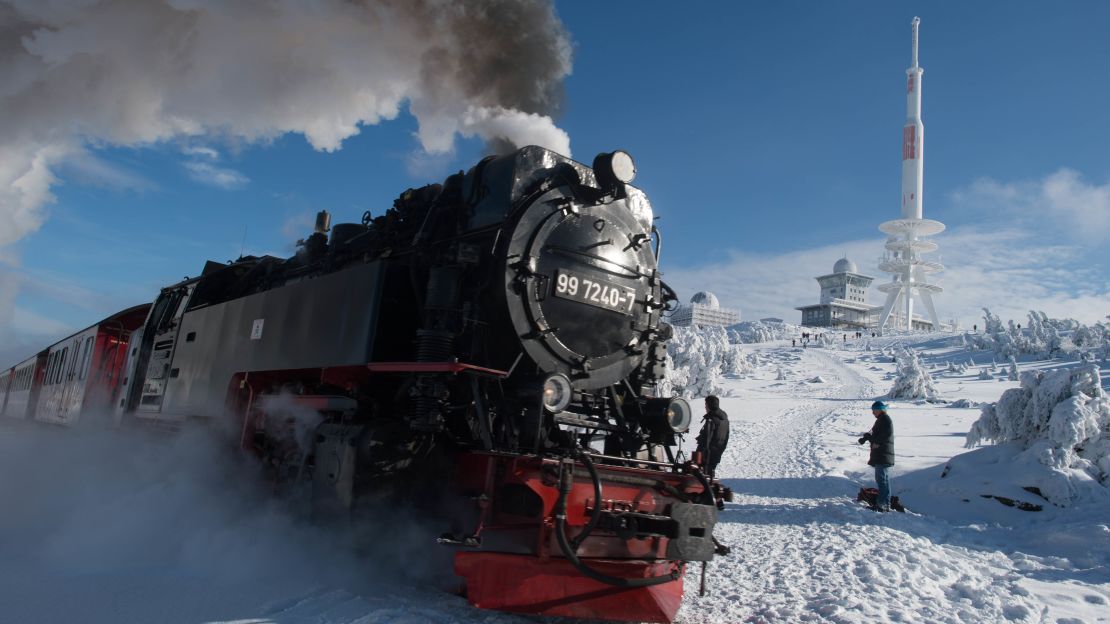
(714, 435)
(881, 438)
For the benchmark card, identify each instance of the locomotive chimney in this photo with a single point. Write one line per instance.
(323, 222)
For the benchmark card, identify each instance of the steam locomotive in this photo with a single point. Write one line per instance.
(502, 329)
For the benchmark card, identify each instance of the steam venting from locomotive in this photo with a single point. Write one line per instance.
(137, 72)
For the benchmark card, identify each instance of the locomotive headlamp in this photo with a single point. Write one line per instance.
(667, 415)
(557, 393)
(612, 168)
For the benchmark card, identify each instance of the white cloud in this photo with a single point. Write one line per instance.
(85, 167)
(202, 168)
(1040, 250)
(214, 175)
(1011, 271)
(1061, 202)
(200, 151)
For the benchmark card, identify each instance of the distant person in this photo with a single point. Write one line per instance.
(714, 435)
(793, 342)
(975, 328)
(881, 438)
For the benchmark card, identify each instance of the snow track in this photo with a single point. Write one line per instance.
(803, 551)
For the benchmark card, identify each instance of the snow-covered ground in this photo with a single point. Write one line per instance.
(92, 530)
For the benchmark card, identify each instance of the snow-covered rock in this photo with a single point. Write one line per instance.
(963, 403)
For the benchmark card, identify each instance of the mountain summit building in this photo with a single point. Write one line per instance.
(843, 303)
(704, 311)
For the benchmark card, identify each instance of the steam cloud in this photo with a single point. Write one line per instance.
(121, 526)
(79, 73)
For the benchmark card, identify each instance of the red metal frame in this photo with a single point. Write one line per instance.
(535, 577)
(553, 587)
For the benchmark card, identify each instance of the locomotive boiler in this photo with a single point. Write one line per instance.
(501, 331)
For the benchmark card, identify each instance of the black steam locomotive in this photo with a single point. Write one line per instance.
(505, 324)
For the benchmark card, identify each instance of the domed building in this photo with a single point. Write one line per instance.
(843, 303)
(704, 310)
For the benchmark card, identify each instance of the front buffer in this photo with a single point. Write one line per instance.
(545, 546)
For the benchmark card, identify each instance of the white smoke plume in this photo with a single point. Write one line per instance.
(81, 73)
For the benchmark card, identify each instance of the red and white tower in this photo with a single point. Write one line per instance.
(906, 236)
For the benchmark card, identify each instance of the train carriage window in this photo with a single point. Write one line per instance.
(86, 358)
(50, 364)
(60, 371)
(71, 370)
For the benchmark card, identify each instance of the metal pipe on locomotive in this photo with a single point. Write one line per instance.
(502, 329)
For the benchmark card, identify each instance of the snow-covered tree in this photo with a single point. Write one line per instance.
(697, 360)
(1043, 338)
(748, 332)
(913, 381)
(1061, 419)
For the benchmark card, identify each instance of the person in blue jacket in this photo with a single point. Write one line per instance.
(881, 438)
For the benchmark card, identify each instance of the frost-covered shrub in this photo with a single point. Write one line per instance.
(749, 332)
(985, 375)
(1061, 419)
(1043, 337)
(697, 360)
(913, 381)
(1012, 370)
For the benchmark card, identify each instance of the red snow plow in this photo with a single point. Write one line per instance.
(586, 537)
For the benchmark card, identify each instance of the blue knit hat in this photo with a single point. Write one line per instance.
(879, 405)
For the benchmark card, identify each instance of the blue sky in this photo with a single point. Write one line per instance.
(767, 135)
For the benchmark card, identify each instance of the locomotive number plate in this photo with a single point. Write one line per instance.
(595, 292)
